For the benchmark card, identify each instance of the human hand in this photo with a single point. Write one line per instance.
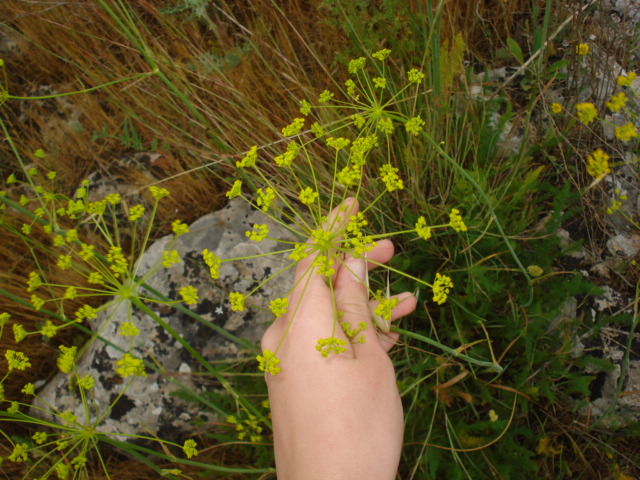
(338, 417)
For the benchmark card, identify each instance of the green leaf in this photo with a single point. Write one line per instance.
(515, 49)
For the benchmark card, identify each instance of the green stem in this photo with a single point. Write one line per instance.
(455, 353)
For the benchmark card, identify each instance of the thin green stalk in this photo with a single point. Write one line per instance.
(455, 353)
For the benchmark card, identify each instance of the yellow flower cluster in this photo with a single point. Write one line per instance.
(286, 159)
(617, 102)
(456, 222)
(626, 132)
(422, 230)
(385, 308)
(586, 112)
(308, 196)
(67, 359)
(268, 362)
(260, 232)
(189, 295)
(626, 80)
(582, 49)
(389, 175)
(249, 160)
(330, 345)
(598, 163)
(17, 360)
(237, 301)
(441, 286)
(189, 448)
(265, 198)
(279, 306)
(213, 262)
(129, 365)
(293, 128)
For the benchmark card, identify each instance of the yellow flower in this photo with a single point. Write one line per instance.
(338, 143)
(66, 360)
(305, 107)
(598, 163)
(86, 382)
(249, 160)
(456, 222)
(325, 96)
(380, 82)
(626, 132)
(135, 212)
(330, 345)
(237, 301)
(556, 107)
(535, 270)
(113, 198)
(17, 360)
(586, 112)
(118, 262)
(49, 329)
(189, 295)
(258, 233)
(213, 262)
(286, 158)
(381, 54)
(268, 362)
(356, 64)
(617, 102)
(64, 262)
(625, 80)
(235, 189)
(582, 49)
(34, 282)
(279, 306)
(308, 196)
(129, 365)
(86, 311)
(294, 128)
(441, 286)
(19, 333)
(179, 228)
(422, 230)
(415, 75)
(265, 198)
(128, 329)
(189, 448)
(20, 453)
(385, 308)
(158, 193)
(390, 178)
(414, 126)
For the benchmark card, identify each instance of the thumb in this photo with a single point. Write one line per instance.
(352, 297)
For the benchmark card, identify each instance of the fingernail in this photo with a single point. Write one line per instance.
(357, 268)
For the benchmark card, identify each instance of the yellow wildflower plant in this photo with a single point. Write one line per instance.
(626, 132)
(582, 49)
(617, 102)
(587, 112)
(598, 163)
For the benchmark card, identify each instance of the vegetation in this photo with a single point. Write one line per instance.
(295, 106)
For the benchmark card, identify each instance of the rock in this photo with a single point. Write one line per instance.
(148, 405)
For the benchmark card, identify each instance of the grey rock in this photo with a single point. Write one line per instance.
(149, 405)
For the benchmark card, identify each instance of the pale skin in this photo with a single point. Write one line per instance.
(338, 417)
